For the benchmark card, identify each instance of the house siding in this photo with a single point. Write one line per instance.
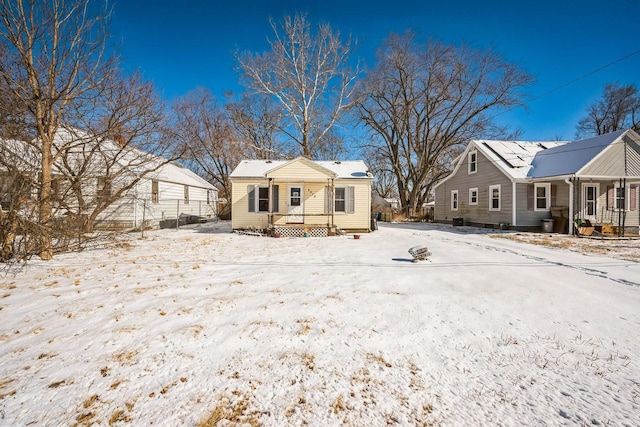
(487, 175)
(529, 217)
(614, 162)
(300, 170)
(136, 205)
(314, 199)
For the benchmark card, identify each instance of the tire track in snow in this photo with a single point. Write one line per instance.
(587, 270)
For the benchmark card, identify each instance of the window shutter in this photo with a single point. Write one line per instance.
(276, 198)
(610, 198)
(530, 197)
(252, 197)
(554, 194)
(633, 197)
(351, 199)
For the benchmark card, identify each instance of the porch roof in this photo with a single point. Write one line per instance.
(570, 158)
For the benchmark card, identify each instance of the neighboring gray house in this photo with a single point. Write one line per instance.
(517, 185)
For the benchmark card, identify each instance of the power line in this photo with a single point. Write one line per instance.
(557, 88)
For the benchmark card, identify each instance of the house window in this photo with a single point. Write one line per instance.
(340, 200)
(154, 191)
(542, 197)
(344, 199)
(103, 189)
(494, 197)
(473, 161)
(258, 196)
(263, 199)
(454, 200)
(473, 196)
(619, 199)
(186, 194)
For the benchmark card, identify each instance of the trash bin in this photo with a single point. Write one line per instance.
(457, 221)
(547, 225)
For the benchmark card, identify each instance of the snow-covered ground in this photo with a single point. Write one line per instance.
(201, 325)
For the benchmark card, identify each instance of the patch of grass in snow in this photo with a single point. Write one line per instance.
(305, 326)
(125, 357)
(4, 388)
(234, 410)
(378, 358)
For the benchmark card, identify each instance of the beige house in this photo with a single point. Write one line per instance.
(301, 196)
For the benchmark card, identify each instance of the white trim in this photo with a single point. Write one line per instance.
(491, 188)
(455, 201)
(547, 196)
(514, 204)
(583, 208)
(474, 163)
(627, 197)
(472, 203)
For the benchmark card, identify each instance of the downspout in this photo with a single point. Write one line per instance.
(570, 183)
(514, 209)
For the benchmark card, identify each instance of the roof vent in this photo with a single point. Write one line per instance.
(337, 162)
(268, 161)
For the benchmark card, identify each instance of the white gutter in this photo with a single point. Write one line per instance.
(568, 181)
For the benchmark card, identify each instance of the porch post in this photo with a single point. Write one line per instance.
(571, 203)
(332, 203)
(270, 212)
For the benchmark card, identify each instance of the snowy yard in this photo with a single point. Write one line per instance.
(202, 325)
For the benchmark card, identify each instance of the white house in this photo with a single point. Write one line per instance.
(136, 188)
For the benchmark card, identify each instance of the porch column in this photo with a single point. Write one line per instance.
(270, 212)
(571, 204)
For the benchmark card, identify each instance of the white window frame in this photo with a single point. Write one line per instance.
(547, 197)
(349, 199)
(455, 200)
(473, 162)
(595, 201)
(616, 197)
(491, 188)
(471, 191)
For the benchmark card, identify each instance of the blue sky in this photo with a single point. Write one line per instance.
(180, 45)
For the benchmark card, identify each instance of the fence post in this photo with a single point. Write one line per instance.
(178, 215)
(144, 210)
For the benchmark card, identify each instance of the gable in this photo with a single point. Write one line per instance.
(300, 169)
(621, 158)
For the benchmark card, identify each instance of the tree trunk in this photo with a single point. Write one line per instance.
(45, 208)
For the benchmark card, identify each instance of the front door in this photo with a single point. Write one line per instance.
(295, 211)
(590, 201)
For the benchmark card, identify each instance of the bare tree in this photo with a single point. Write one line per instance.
(54, 53)
(256, 119)
(309, 75)
(120, 137)
(423, 102)
(71, 103)
(203, 126)
(619, 108)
